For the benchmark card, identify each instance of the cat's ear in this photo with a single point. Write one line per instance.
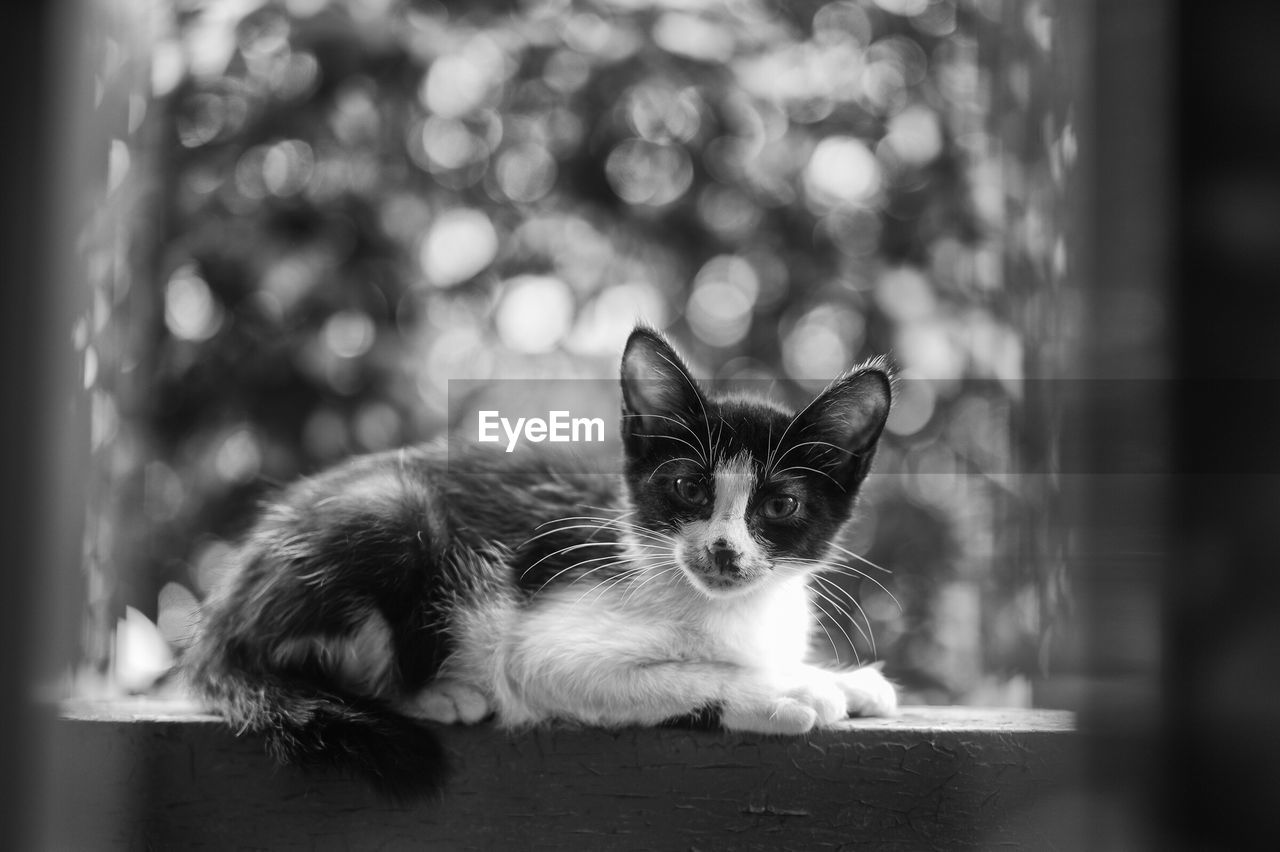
(655, 382)
(845, 421)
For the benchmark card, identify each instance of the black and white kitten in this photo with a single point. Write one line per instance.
(409, 586)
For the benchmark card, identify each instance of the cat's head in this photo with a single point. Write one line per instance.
(749, 490)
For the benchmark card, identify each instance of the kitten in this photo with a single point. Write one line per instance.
(405, 586)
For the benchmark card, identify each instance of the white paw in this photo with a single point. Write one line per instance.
(817, 701)
(781, 716)
(449, 702)
(867, 692)
(824, 695)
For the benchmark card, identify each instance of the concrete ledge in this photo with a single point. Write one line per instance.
(142, 775)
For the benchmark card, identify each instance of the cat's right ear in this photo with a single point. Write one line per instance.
(848, 417)
(656, 384)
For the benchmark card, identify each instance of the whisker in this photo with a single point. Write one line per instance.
(836, 447)
(623, 512)
(588, 592)
(648, 565)
(612, 522)
(696, 449)
(783, 437)
(768, 462)
(599, 587)
(837, 622)
(612, 556)
(616, 522)
(857, 658)
(868, 634)
(818, 621)
(795, 447)
(606, 523)
(671, 566)
(617, 560)
(832, 584)
(669, 461)
(864, 575)
(813, 470)
(571, 547)
(678, 422)
(829, 565)
(860, 558)
(591, 540)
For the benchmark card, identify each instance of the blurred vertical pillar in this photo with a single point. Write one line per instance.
(22, 27)
(1223, 681)
(1116, 429)
(1038, 98)
(46, 95)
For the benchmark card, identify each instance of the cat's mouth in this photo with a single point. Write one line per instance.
(719, 582)
(719, 579)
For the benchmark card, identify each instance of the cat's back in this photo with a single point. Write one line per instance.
(459, 497)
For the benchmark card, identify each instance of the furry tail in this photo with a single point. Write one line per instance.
(316, 727)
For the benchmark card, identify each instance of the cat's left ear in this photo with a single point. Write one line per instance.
(848, 418)
(657, 387)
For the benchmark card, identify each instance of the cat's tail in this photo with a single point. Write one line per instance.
(317, 727)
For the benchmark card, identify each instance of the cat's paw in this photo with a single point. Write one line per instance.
(799, 709)
(780, 716)
(868, 692)
(449, 702)
(824, 695)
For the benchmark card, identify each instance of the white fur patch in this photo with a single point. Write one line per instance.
(735, 482)
(646, 650)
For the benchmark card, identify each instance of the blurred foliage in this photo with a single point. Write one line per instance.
(353, 202)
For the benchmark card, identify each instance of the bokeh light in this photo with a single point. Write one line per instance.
(190, 309)
(460, 244)
(344, 204)
(841, 171)
(534, 313)
(653, 173)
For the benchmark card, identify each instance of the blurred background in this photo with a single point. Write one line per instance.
(311, 215)
(300, 220)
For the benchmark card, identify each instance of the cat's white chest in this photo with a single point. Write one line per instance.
(770, 630)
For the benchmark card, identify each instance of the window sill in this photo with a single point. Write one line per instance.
(161, 775)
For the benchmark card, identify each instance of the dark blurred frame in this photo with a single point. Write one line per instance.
(1221, 700)
(1197, 752)
(45, 151)
(19, 192)
(1175, 568)
(1120, 515)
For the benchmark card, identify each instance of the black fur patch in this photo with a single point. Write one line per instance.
(703, 719)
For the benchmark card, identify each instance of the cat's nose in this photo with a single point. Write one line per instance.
(723, 554)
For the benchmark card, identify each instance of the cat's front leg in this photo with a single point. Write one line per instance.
(866, 690)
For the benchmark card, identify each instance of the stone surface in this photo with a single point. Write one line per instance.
(148, 775)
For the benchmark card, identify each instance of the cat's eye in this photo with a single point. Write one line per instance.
(779, 507)
(692, 491)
